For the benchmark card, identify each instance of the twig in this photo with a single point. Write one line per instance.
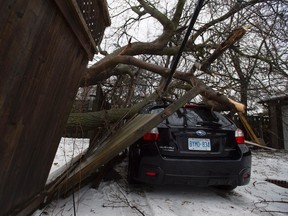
(274, 212)
(266, 202)
(129, 204)
(272, 201)
(123, 200)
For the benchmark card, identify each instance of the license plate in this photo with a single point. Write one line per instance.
(199, 144)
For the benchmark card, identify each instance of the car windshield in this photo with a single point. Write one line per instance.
(195, 117)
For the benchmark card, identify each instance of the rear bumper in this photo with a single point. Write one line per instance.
(194, 172)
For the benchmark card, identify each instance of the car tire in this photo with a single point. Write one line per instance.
(226, 187)
(132, 168)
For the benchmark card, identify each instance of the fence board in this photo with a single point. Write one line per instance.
(41, 63)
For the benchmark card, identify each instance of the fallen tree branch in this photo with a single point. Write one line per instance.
(260, 146)
(91, 120)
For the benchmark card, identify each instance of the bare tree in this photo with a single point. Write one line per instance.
(145, 36)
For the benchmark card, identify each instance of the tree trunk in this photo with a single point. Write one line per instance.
(92, 120)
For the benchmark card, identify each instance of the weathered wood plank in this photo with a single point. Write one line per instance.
(127, 135)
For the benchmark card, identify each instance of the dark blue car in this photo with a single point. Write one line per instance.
(195, 146)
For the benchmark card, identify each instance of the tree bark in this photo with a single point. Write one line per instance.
(215, 99)
(91, 120)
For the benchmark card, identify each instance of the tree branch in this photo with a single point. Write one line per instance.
(236, 8)
(167, 24)
(178, 12)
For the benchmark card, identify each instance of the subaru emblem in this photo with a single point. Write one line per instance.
(200, 133)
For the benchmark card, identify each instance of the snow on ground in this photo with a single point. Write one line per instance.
(68, 148)
(116, 197)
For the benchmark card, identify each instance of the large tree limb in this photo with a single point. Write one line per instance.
(233, 37)
(98, 119)
(107, 67)
(92, 77)
(90, 120)
(221, 101)
(215, 99)
(103, 69)
(155, 47)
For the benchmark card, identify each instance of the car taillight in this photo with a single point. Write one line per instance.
(246, 175)
(151, 174)
(152, 135)
(239, 136)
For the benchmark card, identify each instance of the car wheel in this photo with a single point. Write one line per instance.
(226, 187)
(132, 168)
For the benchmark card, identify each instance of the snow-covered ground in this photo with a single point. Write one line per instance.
(116, 197)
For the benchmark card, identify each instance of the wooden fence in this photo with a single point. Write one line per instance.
(44, 51)
(259, 124)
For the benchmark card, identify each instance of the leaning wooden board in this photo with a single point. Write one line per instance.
(116, 143)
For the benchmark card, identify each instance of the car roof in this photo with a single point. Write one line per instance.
(187, 106)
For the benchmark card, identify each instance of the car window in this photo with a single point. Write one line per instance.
(193, 117)
(223, 120)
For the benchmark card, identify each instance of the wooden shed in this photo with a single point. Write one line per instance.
(278, 115)
(45, 46)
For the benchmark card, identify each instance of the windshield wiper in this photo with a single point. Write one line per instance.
(184, 116)
(209, 124)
